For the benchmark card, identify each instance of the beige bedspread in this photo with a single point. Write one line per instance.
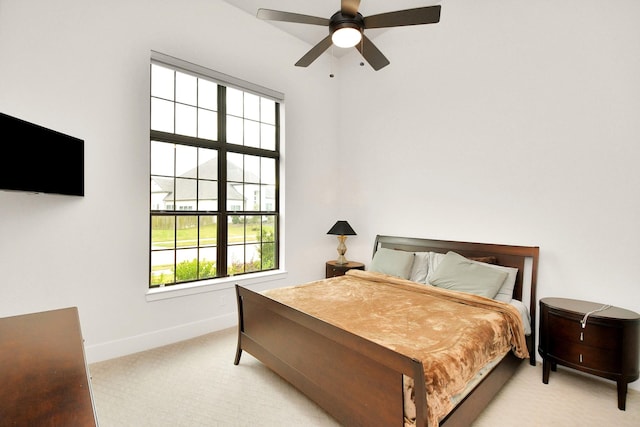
(453, 334)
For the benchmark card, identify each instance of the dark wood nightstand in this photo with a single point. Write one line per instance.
(333, 269)
(606, 344)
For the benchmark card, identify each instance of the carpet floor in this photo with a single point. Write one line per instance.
(195, 383)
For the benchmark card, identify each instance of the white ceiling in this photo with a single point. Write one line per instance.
(312, 34)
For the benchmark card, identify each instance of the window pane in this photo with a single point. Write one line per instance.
(162, 193)
(161, 115)
(234, 102)
(207, 195)
(235, 260)
(253, 258)
(253, 228)
(207, 163)
(208, 231)
(185, 194)
(186, 161)
(235, 229)
(251, 106)
(207, 94)
(268, 228)
(235, 167)
(162, 158)
(268, 198)
(186, 89)
(162, 268)
(207, 124)
(207, 263)
(162, 82)
(251, 168)
(251, 133)
(235, 197)
(187, 231)
(267, 137)
(267, 111)
(234, 130)
(186, 265)
(267, 170)
(186, 120)
(252, 197)
(268, 256)
(162, 232)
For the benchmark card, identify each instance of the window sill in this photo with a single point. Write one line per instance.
(212, 285)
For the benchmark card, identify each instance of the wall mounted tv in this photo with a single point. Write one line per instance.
(39, 160)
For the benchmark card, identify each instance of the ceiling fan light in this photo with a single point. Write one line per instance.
(346, 37)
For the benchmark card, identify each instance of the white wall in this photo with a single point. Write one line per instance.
(509, 122)
(82, 68)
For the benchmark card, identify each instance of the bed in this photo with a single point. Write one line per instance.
(365, 381)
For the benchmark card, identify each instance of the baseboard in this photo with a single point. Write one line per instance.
(122, 347)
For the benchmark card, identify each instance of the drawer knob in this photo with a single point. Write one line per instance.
(581, 336)
(581, 358)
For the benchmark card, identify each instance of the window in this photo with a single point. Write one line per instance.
(214, 193)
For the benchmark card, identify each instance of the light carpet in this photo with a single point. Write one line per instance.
(195, 383)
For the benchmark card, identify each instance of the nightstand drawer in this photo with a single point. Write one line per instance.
(593, 335)
(586, 356)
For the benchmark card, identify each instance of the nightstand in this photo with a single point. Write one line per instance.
(333, 269)
(606, 344)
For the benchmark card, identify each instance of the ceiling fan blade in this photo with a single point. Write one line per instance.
(277, 15)
(372, 54)
(315, 52)
(417, 16)
(349, 7)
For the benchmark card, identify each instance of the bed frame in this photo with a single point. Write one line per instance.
(357, 381)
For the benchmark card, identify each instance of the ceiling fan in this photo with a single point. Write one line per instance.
(346, 28)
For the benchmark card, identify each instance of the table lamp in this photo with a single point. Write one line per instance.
(342, 229)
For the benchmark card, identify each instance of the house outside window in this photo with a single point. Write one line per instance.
(214, 194)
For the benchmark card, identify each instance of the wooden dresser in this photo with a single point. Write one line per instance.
(606, 344)
(44, 378)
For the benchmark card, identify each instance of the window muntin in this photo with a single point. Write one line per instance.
(195, 161)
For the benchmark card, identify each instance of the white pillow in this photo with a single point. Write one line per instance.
(420, 267)
(505, 293)
(458, 273)
(390, 261)
(435, 258)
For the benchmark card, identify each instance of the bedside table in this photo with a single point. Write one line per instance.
(606, 345)
(333, 269)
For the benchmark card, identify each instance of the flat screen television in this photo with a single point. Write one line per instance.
(39, 160)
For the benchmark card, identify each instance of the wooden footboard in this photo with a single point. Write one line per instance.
(355, 380)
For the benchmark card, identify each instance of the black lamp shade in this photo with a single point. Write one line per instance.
(342, 228)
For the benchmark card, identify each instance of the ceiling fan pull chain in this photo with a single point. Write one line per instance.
(331, 75)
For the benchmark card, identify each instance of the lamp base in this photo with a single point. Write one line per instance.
(342, 249)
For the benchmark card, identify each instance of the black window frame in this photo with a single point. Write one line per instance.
(222, 147)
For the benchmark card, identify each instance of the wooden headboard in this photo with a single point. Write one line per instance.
(506, 255)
